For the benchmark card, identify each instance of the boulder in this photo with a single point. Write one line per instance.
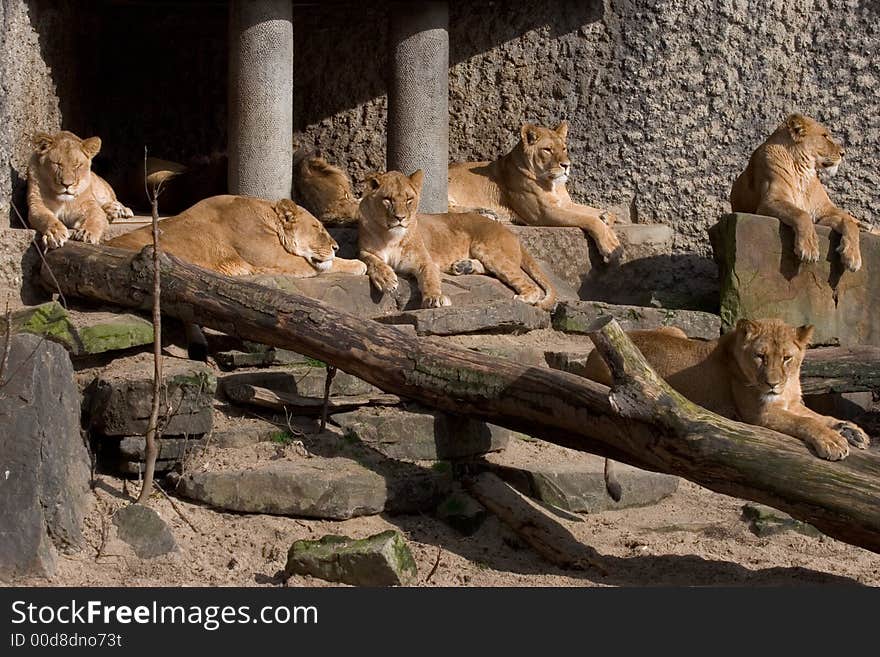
(121, 397)
(44, 462)
(762, 278)
(304, 380)
(497, 317)
(421, 434)
(766, 521)
(83, 333)
(462, 512)
(579, 486)
(333, 488)
(144, 530)
(380, 560)
(20, 269)
(579, 316)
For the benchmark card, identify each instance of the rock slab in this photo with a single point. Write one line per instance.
(422, 435)
(579, 316)
(762, 278)
(144, 530)
(380, 560)
(44, 462)
(767, 521)
(497, 317)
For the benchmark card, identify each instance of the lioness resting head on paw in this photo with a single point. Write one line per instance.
(323, 189)
(751, 374)
(241, 235)
(63, 193)
(527, 186)
(393, 237)
(781, 181)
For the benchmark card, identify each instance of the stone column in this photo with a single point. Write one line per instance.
(418, 98)
(260, 98)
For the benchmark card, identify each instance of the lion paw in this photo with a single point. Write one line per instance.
(115, 210)
(807, 246)
(830, 447)
(850, 255)
(462, 267)
(853, 434)
(609, 247)
(532, 298)
(384, 279)
(359, 268)
(437, 301)
(56, 236)
(87, 235)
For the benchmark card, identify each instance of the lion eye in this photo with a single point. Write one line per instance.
(786, 360)
(547, 150)
(409, 202)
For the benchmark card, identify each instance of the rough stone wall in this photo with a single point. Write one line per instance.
(666, 99)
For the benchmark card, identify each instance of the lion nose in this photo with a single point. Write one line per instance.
(400, 217)
(565, 165)
(842, 152)
(335, 247)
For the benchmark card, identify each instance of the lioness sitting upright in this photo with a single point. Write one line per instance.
(64, 194)
(751, 374)
(393, 237)
(527, 186)
(781, 181)
(241, 235)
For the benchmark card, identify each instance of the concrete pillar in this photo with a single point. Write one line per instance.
(418, 98)
(260, 98)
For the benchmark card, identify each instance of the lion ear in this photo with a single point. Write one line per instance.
(562, 129)
(797, 126)
(747, 328)
(417, 178)
(42, 141)
(804, 334)
(372, 181)
(91, 146)
(529, 133)
(286, 209)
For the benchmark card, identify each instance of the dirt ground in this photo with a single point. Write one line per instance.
(693, 538)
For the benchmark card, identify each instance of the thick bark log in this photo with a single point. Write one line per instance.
(841, 369)
(654, 428)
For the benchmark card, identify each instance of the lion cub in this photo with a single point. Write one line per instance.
(781, 181)
(527, 186)
(64, 194)
(393, 237)
(751, 374)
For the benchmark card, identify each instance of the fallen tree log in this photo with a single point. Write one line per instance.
(841, 369)
(643, 422)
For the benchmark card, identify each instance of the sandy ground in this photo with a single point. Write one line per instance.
(693, 538)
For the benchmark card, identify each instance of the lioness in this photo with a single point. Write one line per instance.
(751, 374)
(323, 189)
(527, 186)
(63, 193)
(781, 181)
(239, 235)
(393, 237)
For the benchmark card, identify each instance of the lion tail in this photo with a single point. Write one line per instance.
(533, 269)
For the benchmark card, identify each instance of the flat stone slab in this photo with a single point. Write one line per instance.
(121, 398)
(767, 521)
(331, 488)
(302, 380)
(497, 317)
(19, 269)
(83, 333)
(579, 317)
(380, 560)
(144, 530)
(422, 435)
(762, 278)
(580, 487)
(44, 462)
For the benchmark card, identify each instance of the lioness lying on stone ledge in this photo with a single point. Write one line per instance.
(751, 374)
(527, 186)
(781, 181)
(393, 237)
(238, 235)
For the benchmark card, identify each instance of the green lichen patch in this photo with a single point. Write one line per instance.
(127, 332)
(49, 320)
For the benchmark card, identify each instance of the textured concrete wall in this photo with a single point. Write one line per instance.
(418, 97)
(261, 98)
(666, 100)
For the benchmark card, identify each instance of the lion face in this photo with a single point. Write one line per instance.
(769, 352)
(303, 235)
(65, 162)
(392, 200)
(814, 140)
(546, 152)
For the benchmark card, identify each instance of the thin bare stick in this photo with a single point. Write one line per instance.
(7, 341)
(151, 450)
(328, 381)
(36, 244)
(176, 508)
(436, 564)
